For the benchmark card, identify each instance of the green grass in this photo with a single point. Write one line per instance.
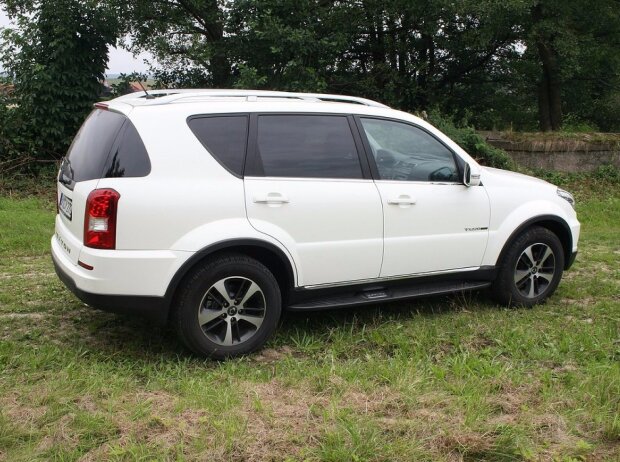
(449, 378)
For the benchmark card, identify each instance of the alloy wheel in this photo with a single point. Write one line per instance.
(232, 310)
(534, 270)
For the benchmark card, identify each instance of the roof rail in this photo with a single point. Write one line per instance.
(170, 96)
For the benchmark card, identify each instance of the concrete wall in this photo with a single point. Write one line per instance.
(559, 155)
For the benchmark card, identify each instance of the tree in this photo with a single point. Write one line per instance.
(406, 53)
(56, 57)
(576, 45)
(187, 38)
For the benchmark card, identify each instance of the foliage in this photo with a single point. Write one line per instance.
(487, 58)
(124, 81)
(575, 50)
(467, 138)
(516, 64)
(56, 57)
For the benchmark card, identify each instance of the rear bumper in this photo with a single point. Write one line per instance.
(126, 282)
(570, 260)
(153, 308)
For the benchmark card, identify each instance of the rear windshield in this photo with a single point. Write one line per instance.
(106, 146)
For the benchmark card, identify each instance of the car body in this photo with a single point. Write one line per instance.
(342, 200)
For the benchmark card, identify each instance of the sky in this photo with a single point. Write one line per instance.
(119, 60)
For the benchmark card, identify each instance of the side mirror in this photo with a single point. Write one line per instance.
(469, 178)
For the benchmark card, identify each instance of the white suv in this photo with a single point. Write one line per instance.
(216, 209)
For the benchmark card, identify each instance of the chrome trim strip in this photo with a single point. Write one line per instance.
(389, 278)
(308, 179)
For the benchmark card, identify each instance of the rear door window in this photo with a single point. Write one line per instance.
(306, 146)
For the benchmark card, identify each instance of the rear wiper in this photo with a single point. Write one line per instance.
(62, 177)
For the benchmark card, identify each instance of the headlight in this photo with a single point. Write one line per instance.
(568, 197)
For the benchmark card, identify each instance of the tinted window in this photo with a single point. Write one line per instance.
(89, 151)
(405, 152)
(224, 137)
(107, 145)
(128, 157)
(306, 146)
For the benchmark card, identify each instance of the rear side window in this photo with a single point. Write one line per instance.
(107, 145)
(128, 157)
(225, 137)
(306, 146)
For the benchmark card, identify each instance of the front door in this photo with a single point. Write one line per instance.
(432, 221)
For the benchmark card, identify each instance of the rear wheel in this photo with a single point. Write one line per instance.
(228, 307)
(531, 268)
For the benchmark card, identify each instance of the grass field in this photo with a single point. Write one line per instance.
(452, 378)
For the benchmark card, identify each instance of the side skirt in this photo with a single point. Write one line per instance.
(302, 299)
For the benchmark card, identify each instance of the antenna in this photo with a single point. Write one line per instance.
(146, 92)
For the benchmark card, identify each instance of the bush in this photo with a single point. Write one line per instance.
(475, 145)
(56, 58)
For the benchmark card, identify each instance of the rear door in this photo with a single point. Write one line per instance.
(307, 186)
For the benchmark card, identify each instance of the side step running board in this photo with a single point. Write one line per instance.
(385, 294)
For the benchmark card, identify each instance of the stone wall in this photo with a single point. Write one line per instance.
(562, 155)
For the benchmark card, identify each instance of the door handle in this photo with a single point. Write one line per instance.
(272, 198)
(402, 200)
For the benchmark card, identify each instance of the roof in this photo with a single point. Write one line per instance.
(164, 97)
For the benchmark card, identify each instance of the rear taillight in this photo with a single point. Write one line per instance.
(100, 219)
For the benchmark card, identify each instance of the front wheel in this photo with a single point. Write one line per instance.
(228, 307)
(531, 268)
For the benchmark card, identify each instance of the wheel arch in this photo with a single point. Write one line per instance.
(268, 254)
(553, 223)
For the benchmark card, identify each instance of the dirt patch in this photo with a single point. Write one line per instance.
(605, 452)
(552, 428)
(280, 421)
(459, 443)
(272, 355)
(512, 399)
(509, 403)
(160, 401)
(163, 428)
(584, 301)
(29, 316)
(381, 402)
(87, 404)
(20, 413)
(61, 434)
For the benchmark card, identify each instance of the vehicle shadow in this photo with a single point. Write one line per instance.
(129, 337)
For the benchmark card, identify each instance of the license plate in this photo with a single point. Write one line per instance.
(66, 206)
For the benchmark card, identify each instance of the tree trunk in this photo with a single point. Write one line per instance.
(549, 89)
(426, 58)
(550, 85)
(220, 70)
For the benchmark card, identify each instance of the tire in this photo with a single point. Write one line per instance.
(530, 269)
(229, 306)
